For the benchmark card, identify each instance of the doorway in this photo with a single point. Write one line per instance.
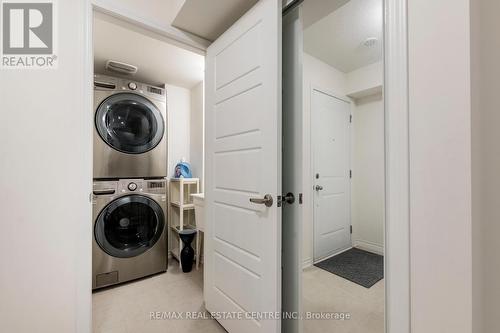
(144, 123)
(338, 48)
(343, 270)
(402, 221)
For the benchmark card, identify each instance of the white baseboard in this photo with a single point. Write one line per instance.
(307, 263)
(333, 254)
(368, 246)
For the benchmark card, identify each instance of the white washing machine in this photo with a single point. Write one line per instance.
(130, 137)
(130, 230)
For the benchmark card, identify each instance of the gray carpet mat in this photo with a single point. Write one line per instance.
(361, 267)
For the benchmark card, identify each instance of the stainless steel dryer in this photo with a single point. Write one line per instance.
(130, 139)
(130, 228)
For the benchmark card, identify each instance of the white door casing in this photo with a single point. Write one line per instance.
(243, 161)
(331, 168)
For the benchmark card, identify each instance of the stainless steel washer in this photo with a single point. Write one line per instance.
(130, 139)
(130, 228)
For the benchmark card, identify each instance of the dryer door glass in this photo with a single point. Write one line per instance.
(129, 226)
(130, 123)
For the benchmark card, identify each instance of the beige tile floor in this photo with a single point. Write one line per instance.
(327, 292)
(126, 308)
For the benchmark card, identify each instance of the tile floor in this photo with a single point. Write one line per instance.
(327, 292)
(126, 308)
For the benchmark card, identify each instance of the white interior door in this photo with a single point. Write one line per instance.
(331, 167)
(243, 162)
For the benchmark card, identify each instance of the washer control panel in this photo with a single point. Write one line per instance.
(123, 186)
(131, 185)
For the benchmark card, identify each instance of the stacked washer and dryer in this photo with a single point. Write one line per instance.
(129, 195)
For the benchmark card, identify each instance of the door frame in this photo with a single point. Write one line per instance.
(309, 145)
(397, 154)
(397, 231)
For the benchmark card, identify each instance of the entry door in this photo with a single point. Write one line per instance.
(243, 178)
(331, 163)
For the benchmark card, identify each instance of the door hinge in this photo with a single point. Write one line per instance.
(350, 173)
(351, 229)
(350, 118)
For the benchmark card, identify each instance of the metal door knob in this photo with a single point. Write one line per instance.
(267, 200)
(319, 187)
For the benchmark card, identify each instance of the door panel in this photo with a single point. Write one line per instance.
(243, 161)
(331, 164)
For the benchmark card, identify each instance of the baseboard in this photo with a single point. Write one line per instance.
(368, 246)
(332, 255)
(307, 263)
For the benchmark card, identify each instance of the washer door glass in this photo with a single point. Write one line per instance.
(129, 226)
(129, 123)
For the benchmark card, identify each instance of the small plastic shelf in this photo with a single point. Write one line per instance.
(181, 211)
(185, 180)
(184, 206)
(186, 227)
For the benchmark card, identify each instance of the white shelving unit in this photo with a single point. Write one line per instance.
(181, 211)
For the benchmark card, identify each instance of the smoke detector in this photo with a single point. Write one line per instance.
(370, 42)
(121, 67)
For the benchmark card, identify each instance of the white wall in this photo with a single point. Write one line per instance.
(45, 176)
(365, 81)
(440, 166)
(368, 166)
(485, 164)
(185, 126)
(179, 115)
(197, 132)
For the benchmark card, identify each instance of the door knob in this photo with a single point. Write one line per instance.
(267, 200)
(318, 188)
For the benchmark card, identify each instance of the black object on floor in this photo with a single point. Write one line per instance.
(187, 253)
(358, 266)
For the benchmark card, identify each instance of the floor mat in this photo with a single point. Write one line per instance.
(361, 267)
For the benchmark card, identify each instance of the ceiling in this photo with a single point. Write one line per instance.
(159, 60)
(338, 38)
(210, 18)
(158, 12)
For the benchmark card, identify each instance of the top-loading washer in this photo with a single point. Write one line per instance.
(130, 137)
